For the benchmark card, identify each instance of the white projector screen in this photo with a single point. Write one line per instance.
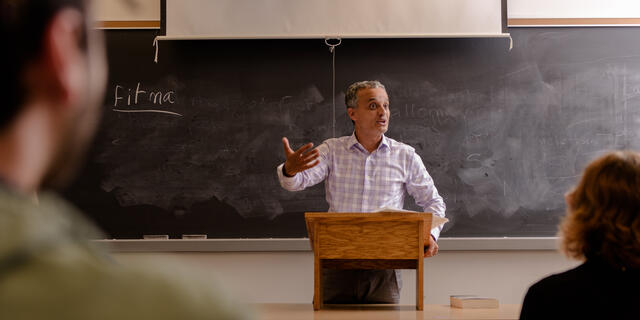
(574, 9)
(256, 19)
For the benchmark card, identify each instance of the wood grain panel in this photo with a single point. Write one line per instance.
(311, 218)
(362, 240)
(370, 264)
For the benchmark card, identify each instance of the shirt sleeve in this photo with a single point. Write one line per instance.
(421, 187)
(309, 177)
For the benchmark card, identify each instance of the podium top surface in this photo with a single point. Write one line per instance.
(384, 215)
(362, 217)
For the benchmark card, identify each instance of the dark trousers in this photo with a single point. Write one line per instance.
(361, 286)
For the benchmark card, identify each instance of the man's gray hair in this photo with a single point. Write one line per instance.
(351, 97)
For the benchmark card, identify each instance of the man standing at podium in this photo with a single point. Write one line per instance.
(364, 172)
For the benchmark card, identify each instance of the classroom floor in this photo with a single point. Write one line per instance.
(292, 311)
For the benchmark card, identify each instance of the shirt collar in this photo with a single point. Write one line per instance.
(352, 142)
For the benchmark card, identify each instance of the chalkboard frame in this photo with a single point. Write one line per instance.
(302, 244)
(226, 242)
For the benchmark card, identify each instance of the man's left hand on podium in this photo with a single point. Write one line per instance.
(431, 249)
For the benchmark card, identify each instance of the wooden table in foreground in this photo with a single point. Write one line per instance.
(293, 311)
(382, 240)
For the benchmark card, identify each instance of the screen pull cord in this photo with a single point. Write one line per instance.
(332, 43)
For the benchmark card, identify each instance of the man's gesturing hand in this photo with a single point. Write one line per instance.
(431, 249)
(299, 160)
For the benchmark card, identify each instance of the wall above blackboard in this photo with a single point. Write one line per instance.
(503, 133)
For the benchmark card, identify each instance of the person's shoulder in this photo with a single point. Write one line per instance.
(174, 295)
(571, 286)
(549, 296)
(343, 139)
(89, 286)
(26, 223)
(586, 291)
(337, 143)
(401, 149)
(401, 146)
(564, 287)
(54, 262)
(562, 281)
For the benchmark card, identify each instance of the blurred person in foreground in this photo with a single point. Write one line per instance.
(54, 74)
(602, 228)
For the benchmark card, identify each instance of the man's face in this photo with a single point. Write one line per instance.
(83, 122)
(371, 116)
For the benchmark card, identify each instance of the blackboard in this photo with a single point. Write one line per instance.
(503, 133)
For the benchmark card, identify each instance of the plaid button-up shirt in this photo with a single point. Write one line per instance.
(359, 181)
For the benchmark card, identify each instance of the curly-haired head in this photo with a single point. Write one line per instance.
(603, 212)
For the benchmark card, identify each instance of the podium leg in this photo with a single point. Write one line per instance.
(317, 285)
(420, 285)
(420, 265)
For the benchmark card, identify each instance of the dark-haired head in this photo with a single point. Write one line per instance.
(22, 27)
(53, 76)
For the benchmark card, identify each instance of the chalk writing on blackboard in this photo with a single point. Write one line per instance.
(138, 100)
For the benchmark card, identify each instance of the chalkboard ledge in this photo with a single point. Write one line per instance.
(302, 244)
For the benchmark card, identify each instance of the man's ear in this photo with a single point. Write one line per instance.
(63, 56)
(352, 113)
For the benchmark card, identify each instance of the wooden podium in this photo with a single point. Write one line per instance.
(382, 240)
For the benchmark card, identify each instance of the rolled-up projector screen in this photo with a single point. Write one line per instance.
(256, 19)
